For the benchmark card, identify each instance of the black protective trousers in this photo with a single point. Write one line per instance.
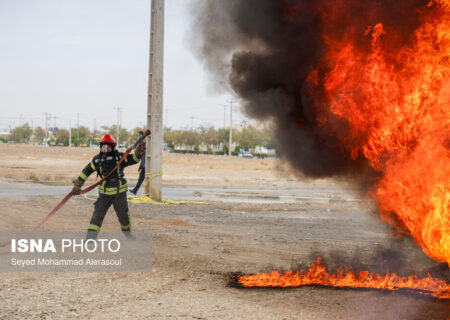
(101, 206)
(140, 180)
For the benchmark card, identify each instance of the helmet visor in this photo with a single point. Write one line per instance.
(106, 148)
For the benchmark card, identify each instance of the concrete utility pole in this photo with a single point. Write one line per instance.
(78, 125)
(48, 118)
(153, 168)
(70, 134)
(231, 128)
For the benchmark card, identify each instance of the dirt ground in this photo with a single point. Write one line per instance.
(62, 164)
(197, 247)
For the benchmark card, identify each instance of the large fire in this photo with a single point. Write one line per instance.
(355, 87)
(390, 104)
(317, 275)
(387, 99)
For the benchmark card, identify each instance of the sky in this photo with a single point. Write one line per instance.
(86, 58)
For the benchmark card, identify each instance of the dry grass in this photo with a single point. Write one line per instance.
(62, 164)
(32, 176)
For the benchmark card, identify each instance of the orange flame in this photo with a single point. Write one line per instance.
(390, 104)
(317, 275)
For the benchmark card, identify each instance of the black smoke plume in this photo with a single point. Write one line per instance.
(264, 50)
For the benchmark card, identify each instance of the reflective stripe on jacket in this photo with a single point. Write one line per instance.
(102, 164)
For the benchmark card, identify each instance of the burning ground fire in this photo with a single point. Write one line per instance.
(317, 275)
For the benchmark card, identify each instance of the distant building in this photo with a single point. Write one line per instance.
(4, 132)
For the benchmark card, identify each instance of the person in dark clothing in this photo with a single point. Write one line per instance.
(141, 176)
(113, 191)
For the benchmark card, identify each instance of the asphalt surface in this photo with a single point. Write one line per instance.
(308, 191)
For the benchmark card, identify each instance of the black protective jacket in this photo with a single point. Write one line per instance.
(103, 164)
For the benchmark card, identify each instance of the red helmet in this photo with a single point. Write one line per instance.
(108, 139)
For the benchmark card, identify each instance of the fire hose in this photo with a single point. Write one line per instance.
(69, 195)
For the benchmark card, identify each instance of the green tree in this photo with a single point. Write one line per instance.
(168, 137)
(80, 136)
(21, 134)
(191, 138)
(84, 132)
(61, 137)
(177, 137)
(268, 138)
(124, 137)
(211, 137)
(134, 134)
(249, 137)
(96, 136)
(39, 134)
(223, 136)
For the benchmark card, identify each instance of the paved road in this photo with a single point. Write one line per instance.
(309, 191)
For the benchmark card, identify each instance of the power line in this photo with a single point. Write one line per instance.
(48, 119)
(119, 117)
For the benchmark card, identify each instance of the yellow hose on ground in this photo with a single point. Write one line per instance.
(150, 176)
(146, 199)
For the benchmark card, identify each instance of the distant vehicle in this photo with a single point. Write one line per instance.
(94, 146)
(121, 146)
(245, 154)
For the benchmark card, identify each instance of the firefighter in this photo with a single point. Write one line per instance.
(141, 176)
(113, 191)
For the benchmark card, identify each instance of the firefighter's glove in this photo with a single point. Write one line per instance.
(77, 184)
(140, 150)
